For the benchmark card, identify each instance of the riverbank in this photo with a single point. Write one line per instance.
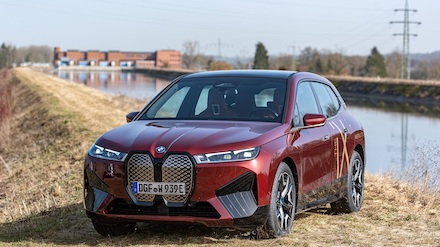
(54, 121)
(386, 89)
(409, 91)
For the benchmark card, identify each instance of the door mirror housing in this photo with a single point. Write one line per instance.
(313, 120)
(310, 121)
(129, 117)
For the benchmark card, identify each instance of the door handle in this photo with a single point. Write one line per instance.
(326, 138)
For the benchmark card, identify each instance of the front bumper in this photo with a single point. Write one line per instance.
(231, 194)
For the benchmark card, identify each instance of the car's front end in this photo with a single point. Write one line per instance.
(177, 176)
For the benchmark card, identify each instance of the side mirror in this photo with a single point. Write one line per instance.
(129, 117)
(310, 121)
(314, 120)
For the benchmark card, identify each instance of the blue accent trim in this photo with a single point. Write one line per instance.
(135, 187)
(99, 197)
(239, 204)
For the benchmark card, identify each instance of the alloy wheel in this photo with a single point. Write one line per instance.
(357, 183)
(285, 201)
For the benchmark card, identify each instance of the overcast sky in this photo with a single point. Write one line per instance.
(284, 26)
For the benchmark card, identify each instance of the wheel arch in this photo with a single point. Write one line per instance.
(361, 152)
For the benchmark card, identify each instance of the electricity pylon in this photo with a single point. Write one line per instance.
(406, 62)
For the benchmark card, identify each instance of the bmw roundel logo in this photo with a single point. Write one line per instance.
(160, 149)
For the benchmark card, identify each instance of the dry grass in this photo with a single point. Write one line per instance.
(6, 105)
(55, 121)
(422, 169)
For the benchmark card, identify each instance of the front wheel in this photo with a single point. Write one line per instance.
(114, 229)
(282, 203)
(352, 202)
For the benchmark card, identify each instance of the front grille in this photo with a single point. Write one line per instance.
(178, 168)
(140, 168)
(200, 209)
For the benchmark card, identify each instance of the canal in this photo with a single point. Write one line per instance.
(397, 134)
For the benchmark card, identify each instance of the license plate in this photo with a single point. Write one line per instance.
(159, 188)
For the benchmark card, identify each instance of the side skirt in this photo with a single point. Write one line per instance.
(326, 194)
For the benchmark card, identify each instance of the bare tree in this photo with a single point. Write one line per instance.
(356, 64)
(307, 59)
(190, 55)
(282, 61)
(339, 63)
(394, 64)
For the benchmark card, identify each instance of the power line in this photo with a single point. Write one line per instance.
(406, 62)
(219, 46)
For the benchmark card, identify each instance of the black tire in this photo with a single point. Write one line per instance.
(114, 229)
(352, 201)
(282, 203)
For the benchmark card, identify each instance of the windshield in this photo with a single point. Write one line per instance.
(227, 98)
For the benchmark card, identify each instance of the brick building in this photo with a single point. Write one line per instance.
(157, 59)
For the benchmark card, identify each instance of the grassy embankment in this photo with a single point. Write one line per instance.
(47, 125)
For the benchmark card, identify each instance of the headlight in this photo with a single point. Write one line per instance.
(229, 156)
(104, 153)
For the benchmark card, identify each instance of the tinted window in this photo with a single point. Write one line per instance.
(305, 101)
(327, 99)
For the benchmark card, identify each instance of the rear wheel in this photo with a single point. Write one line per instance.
(352, 202)
(114, 229)
(282, 203)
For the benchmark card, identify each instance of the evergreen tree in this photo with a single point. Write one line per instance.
(375, 65)
(261, 60)
(4, 55)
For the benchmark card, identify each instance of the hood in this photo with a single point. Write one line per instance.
(194, 137)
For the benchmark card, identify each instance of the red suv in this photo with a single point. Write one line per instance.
(242, 148)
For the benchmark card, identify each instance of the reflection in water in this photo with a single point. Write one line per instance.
(392, 130)
(128, 83)
(404, 144)
(392, 138)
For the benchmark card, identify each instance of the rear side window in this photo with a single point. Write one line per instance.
(327, 99)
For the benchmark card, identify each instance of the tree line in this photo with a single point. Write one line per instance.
(10, 54)
(325, 62)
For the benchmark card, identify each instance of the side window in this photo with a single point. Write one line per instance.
(296, 120)
(327, 99)
(305, 102)
(202, 103)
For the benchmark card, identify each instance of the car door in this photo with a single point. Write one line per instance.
(330, 107)
(314, 143)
